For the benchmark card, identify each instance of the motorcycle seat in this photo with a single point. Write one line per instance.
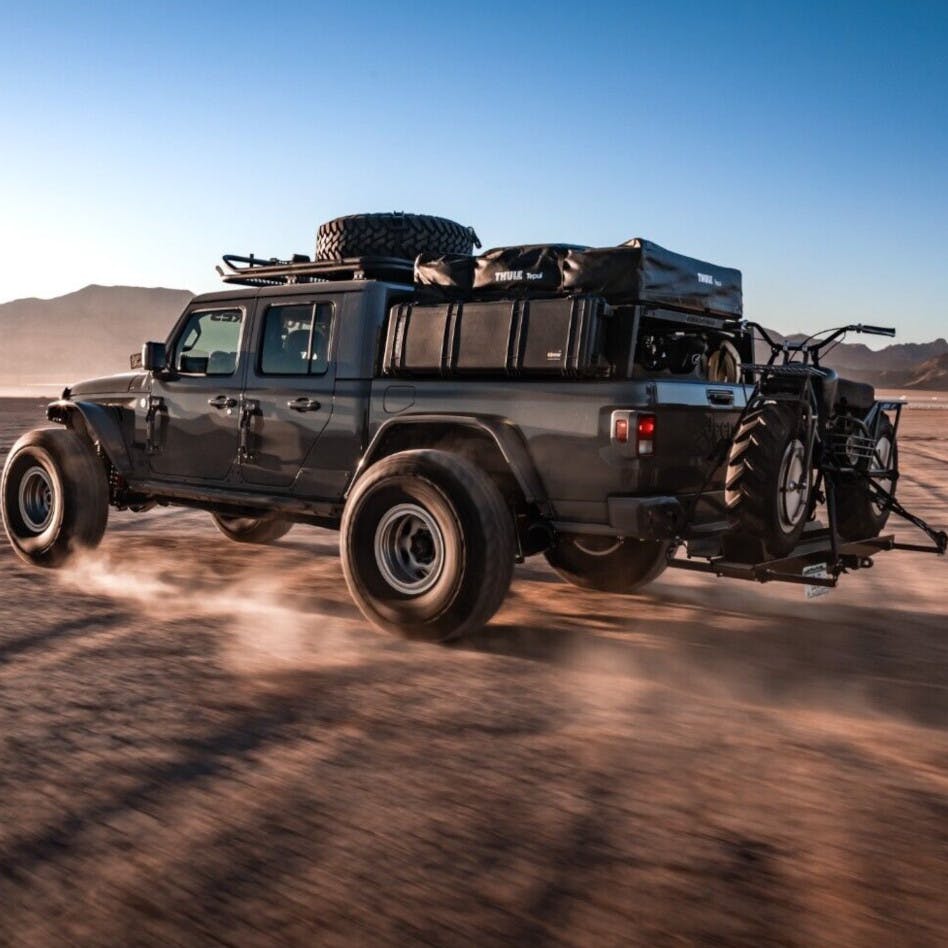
(845, 393)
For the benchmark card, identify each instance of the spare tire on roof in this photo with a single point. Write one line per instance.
(392, 235)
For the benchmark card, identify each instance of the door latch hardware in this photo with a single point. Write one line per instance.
(156, 404)
(248, 410)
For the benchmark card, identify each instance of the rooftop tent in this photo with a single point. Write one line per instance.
(639, 271)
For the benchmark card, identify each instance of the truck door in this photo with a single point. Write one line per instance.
(288, 396)
(197, 403)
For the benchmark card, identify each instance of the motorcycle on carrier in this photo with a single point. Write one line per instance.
(809, 439)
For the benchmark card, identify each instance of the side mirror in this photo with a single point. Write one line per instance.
(154, 358)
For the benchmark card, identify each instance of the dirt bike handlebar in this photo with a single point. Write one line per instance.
(836, 333)
(814, 348)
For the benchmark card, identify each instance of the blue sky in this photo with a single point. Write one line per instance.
(806, 144)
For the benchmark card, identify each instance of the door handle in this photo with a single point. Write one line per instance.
(303, 404)
(222, 401)
(720, 396)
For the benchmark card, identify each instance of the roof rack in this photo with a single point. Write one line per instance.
(257, 271)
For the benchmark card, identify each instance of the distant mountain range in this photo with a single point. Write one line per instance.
(931, 374)
(45, 344)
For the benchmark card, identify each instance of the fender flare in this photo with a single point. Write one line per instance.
(506, 436)
(103, 428)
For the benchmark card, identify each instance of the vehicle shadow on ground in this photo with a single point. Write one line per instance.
(220, 872)
(56, 632)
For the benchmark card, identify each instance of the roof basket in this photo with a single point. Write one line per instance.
(257, 271)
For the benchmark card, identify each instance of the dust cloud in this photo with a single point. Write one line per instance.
(259, 630)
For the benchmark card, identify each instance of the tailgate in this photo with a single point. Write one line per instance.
(692, 419)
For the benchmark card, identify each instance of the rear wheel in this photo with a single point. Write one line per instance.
(260, 530)
(428, 545)
(769, 484)
(608, 564)
(55, 497)
(858, 514)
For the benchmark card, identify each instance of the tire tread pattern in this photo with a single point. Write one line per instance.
(624, 571)
(262, 531)
(85, 496)
(391, 235)
(753, 464)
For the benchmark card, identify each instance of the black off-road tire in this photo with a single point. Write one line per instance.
(392, 235)
(758, 506)
(608, 564)
(858, 516)
(55, 497)
(427, 545)
(260, 530)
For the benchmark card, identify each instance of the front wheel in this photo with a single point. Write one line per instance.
(769, 483)
(608, 564)
(260, 530)
(55, 497)
(428, 545)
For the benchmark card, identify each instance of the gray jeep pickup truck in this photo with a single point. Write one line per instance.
(450, 414)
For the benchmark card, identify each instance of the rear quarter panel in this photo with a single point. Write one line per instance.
(565, 424)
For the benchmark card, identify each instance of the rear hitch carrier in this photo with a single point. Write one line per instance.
(815, 550)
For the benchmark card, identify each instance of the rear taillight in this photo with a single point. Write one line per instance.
(645, 434)
(633, 432)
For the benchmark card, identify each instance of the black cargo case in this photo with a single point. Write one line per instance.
(522, 270)
(488, 338)
(526, 270)
(564, 337)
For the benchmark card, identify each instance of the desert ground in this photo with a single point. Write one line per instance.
(204, 743)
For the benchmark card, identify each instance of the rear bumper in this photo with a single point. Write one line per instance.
(646, 518)
(654, 518)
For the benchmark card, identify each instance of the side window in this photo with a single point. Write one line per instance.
(296, 339)
(209, 343)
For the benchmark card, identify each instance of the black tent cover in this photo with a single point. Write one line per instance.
(637, 271)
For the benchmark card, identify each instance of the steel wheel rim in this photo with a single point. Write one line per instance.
(608, 547)
(793, 483)
(409, 549)
(37, 499)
